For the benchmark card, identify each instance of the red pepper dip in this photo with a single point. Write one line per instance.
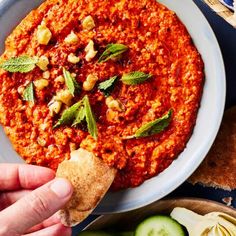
(139, 121)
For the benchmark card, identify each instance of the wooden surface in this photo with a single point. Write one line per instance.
(222, 11)
(128, 220)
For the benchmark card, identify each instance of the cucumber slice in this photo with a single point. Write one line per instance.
(159, 226)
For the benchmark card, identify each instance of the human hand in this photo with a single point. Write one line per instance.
(28, 201)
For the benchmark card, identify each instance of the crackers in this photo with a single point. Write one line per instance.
(91, 179)
(219, 167)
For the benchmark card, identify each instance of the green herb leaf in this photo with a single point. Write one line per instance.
(75, 114)
(71, 83)
(21, 64)
(69, 115)
(107, 86)
(28, 94)
(90, 119)
(154, 127)
(80, 116)
(135, 77)
(112, 51)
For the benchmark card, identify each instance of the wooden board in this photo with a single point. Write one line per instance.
(222, 11)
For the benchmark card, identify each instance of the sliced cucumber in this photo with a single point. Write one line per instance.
(159, 226)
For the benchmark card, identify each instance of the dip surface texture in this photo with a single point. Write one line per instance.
(158, 44)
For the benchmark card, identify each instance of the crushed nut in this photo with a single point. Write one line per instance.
(114, 104)
(88, 23)
(60, 79)
(41, 84)
(54, 107)
(90, 52)
(64, 96)
(43, 126)
(72, 58)
(43, 34)
(112, 116)
(71, 38)
(90, 82)
(46, 74)
(43, 63)
(20, 90)
(42, 142)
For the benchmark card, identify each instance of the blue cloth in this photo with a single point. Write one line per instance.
(226, 36)
(229, 2)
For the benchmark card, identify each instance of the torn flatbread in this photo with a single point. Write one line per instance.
(219, 167)
(91, 179)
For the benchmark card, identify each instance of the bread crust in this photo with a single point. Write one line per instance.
(219, 167)
(91, 179)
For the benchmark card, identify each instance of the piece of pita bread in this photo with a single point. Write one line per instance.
(219, 167)
(91, 179)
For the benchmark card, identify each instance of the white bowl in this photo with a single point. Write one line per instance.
(208, 120)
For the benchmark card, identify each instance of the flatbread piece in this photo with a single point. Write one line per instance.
(91, 179)
(219, 167)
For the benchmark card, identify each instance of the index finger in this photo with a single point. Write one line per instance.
(18, 176)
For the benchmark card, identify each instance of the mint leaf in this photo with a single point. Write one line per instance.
(107, 86)
(68, 115)
(21, 64)
(28, 94)
(154, 127)
(90, 119)
(135, 77)
(75, 114)
(71, 83)
(112, 51)
(80, 116)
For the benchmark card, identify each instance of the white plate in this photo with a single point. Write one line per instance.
(208, 120)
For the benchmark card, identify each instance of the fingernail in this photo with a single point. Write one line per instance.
(61, 187)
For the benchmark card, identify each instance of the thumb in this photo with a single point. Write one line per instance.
(35, 207)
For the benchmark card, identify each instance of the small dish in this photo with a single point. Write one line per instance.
(128, 221)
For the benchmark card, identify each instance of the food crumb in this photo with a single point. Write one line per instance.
(227, 201)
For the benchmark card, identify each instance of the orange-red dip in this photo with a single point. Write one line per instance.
(159, 44)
